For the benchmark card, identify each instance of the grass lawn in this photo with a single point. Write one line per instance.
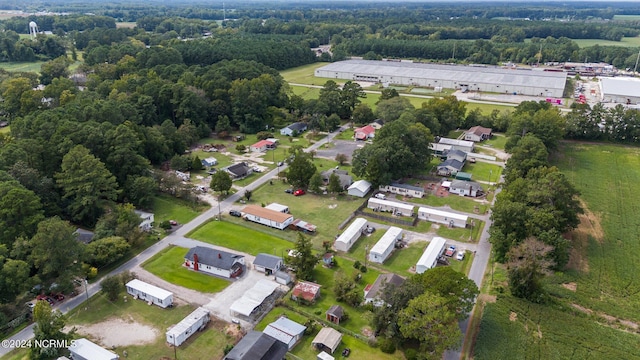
(22, 66)
(167, 265)
(602, 270)
(241, 238)
(304, 74)
(497, 141)
(5, 130)
(625, 42)
(204, 345)
(483, 171)
(166, 207)
(471, 235)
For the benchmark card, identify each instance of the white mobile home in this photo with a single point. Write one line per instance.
(463, 145)
(429, 258)
(383, 248)
(350, 235)
(268, 217)
(443, 217)
(390, 206)
(149, 293)
(196, 321)
(403, 189)
(83, 349)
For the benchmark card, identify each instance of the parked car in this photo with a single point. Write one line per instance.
(460, 255)
(369, 229)
(380, 196)
(451, 250)
(280, 163)
(346, 352)
(289, 191)
(235, 213)
(57, 296)
(299, 192)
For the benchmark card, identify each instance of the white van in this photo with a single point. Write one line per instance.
(380, 196)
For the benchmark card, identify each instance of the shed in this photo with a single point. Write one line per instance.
(359, 188)
(302, 225)
(350, 235)
(83, 349)
(306, 290)
(327, 339)
(278, 207)
(465, 176)
(324, 356)
(383, 248)
(257, 346)
(285, 330)
(253, 297)
(196, 321)
(149, 293)
(84, 236)
(282, 277)
(443, 217)
(394, 207)
(215, 262)
(264, 216)
(403, 189)
(267, 263)
(430, 256)
(209, 162)
(335, 314)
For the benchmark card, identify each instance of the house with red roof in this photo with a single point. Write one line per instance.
(306, 290)
(364, 133)
(262, 146)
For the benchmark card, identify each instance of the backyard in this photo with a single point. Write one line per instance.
(241, 238)
(167, 207)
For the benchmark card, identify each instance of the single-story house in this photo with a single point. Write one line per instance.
(84, 236)
(264, 216)
(364, 133)
(294, 129)
(262, 146)
(374, 293)
(456, 155)
(439, 150)
(390, 206)
(327, 258)
(149, 293)
(403, 189)
(209, 162)
(83, 349)
(383, 248)
(477, 134)
(466, 146)
(147, 220)
(267, 263)
(239, 171)
(306, 290)
(449, 167)
(327, 339)
(442, 217)
(345, 179)
(258, 346)
(350, 235)
(359, 188)
(216, 262)
(285, 330)
(335, 314)
(278, 207)
(429, 258)
(465, 188)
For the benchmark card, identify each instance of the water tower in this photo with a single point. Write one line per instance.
(33, 29)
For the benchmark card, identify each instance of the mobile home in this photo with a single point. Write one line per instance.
(350, 235)
(429, 258)
(149, 293)
(83, 349)
(443, 217)
(390, 206)
(196, 321)
(383, 248)
(264, 216)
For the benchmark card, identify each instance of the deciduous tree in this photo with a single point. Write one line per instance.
(49, 325)
(221, 182)
(304, 260)
(528, 264)
(300, 170)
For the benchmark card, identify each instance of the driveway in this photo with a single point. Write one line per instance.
(346, 147)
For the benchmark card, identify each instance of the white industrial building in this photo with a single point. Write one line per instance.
(196, 321)
(460, 77)
(264, 216)
(442, 217)
(149, 293)
(383, 248)
(350, 235)
(390, 206)
(429, 258)
(83, 349)
(620, 90)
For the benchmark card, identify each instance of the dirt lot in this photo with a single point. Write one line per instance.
(119, 332)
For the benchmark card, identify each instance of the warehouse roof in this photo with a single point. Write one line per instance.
(620, 86)
(459, 73)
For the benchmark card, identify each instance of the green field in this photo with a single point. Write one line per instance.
(304, 74)
(497, 141)
(241, 238)
(626, 17)
(625, 42)
(22, 66)
(167, 265)
(166, 207)
(598, 319)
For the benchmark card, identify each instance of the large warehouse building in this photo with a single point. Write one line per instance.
(465, 78)
(620, 90)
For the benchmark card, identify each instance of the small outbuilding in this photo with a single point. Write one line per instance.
(429, 258)
(278, 207)
(83, 349)
(306, 290)
(209, 162)
(327, 339)
(324, 356)
(149, 293)
(442, 217)
(335, 314)
(194, 322)
(359, 188)
(84, 236)
(383, 248)
(350, 235)
(215, 262)
(396, 208)
(285, 330)
(267, 263)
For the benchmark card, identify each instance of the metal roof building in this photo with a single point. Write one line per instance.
(383, 248)
(253, 297)
(472, 78)
(620, 90)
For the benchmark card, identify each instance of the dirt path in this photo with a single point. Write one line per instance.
(183, 294)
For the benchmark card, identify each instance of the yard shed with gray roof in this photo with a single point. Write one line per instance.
(267, 263)
(285, 330)
(466, 78)
(258, 346)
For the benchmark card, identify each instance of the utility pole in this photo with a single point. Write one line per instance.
(86, 291)
(635, 69)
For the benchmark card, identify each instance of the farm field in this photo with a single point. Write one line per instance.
(625, 42)
(167, 265)
(595, 300)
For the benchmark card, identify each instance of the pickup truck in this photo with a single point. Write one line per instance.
(451, 250)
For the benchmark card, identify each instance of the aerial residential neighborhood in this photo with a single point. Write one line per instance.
(283, 181)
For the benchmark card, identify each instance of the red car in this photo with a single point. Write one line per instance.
(298, 192)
